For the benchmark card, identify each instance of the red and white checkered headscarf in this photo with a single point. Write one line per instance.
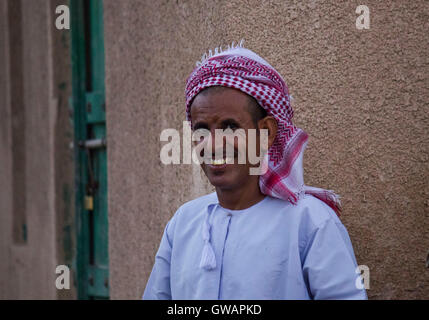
(244, 70)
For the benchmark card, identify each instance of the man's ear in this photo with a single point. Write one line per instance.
(271, 124)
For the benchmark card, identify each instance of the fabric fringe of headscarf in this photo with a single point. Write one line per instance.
(327, 196)
(218, 50)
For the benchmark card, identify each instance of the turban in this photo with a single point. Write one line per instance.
(244, 70)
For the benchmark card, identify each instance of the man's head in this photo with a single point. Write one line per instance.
(227, 108)
(248, 73)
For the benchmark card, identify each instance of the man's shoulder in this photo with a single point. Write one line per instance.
(308, 210)
(198, 204)
(306, 216)
(315, 211)
(190, 212)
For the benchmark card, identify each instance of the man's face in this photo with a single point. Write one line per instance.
(224, 109)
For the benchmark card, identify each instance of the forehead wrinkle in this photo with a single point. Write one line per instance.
(220, 117)
(207, 101)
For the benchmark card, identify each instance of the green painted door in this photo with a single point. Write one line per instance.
(89, 108)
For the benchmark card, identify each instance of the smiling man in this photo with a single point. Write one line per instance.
(266, 236)
(223, 108)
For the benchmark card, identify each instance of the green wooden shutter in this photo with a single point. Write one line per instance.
(89, 109)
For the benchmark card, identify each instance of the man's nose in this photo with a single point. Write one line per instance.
(216, 144)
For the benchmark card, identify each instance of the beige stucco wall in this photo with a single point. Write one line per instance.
(362, 95)
(27, 270)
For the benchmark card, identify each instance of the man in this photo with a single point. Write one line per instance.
(265, 236)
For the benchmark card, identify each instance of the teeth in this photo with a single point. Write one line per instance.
(218, 162)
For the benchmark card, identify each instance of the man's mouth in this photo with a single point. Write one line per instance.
(219, 162)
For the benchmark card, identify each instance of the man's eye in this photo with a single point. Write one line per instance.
(204, 135)
(200, 134)
(231, 126)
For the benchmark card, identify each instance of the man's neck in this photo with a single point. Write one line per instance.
(239, 198)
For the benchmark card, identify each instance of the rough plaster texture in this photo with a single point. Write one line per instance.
(27, 271)
(62, 149)
(362, 96)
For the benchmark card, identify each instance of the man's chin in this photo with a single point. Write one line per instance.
(227, 178)
(222, 182)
